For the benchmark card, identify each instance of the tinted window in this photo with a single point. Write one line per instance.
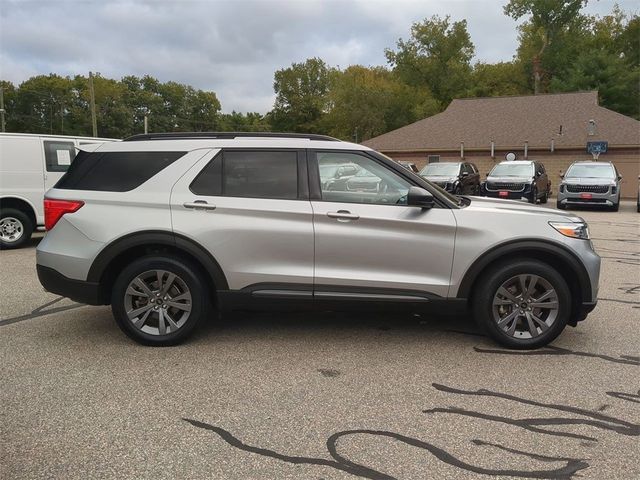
(58, 155)
(373, 182)
(267, 174)
(209, 180)
(433, 158)
(114, 171)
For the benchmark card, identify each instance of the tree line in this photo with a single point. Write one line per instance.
(560, 50)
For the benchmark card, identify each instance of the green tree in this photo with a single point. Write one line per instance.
(365, 102)
(496, 79)
(301, 96)
(548, 19)
(437, 56)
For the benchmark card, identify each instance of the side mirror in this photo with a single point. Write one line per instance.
(419, 197)
(619, 177)
(561, 175)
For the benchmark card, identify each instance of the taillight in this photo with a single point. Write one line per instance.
(55, 209)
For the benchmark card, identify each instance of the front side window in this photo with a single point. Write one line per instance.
(251, 174)
(58, 155)
(372, 182)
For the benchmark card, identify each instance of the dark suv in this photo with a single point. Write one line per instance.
(455, 177)
(519, 180)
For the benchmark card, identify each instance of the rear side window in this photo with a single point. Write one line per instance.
(58, 155)
(251, 174)
(114, 171)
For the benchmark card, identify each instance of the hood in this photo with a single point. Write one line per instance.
(588, 181)
(509, 179)
(519, 206)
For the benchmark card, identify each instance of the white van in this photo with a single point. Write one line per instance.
(30, 164)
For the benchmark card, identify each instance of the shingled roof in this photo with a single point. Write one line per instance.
(510, 121)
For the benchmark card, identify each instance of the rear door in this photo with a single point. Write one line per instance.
(368, 242)
(250, 209)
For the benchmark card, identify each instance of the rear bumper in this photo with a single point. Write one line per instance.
(78, 290)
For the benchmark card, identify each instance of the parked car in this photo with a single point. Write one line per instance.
(364, 181)
(29, 165)
(518, 179)
(409, 166)
(455, 177)
(166, 228)
(590, 184)
(335, 176)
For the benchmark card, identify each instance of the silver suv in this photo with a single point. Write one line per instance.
(590, 184)
(166, 228)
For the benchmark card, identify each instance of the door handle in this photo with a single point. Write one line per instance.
(199, 205)
(343, 215)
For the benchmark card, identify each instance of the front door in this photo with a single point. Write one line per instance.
(368, 241)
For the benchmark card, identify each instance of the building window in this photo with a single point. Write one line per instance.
(433, 158)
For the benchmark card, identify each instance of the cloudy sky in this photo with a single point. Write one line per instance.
(230, 47)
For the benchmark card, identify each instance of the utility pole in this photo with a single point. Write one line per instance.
(146, 124)
(2, 106)
(92, 97)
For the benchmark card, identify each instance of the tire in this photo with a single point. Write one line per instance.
(560, 206)
(534, 196)
(488, 315)
(458, 190)
(15, 228)
(188, 285)
(544, 198)
(616, 207)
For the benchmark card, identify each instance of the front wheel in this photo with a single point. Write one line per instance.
(159, 300)
(544, 198)
(522, 304)
(534, 196)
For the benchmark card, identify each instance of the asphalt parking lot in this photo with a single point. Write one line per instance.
(321, 397)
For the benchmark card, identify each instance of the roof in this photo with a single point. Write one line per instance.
(512, 121)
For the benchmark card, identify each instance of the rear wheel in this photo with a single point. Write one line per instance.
(15, 228)
(522, 304)
(159, 300)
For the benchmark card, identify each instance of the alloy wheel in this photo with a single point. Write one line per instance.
(158, 302)
(525, 306)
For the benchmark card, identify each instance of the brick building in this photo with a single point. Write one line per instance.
(553, 129)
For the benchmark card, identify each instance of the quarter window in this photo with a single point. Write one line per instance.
(58, 155)
(371, 183)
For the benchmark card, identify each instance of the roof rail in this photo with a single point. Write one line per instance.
(225, 135)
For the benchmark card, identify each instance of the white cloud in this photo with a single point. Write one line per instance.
(230, 47)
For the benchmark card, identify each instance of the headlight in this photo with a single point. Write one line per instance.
(573, 230)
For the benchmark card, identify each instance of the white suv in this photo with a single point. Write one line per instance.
(167, 227)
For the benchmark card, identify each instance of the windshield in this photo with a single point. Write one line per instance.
(593, 171)
(441, 169)
(512, 170)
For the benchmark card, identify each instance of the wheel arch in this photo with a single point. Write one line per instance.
(555, 255)
(120, 252)
(21, 204)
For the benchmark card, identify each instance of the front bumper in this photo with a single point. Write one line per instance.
(522, 195)
(606, 199)
(78, 290)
